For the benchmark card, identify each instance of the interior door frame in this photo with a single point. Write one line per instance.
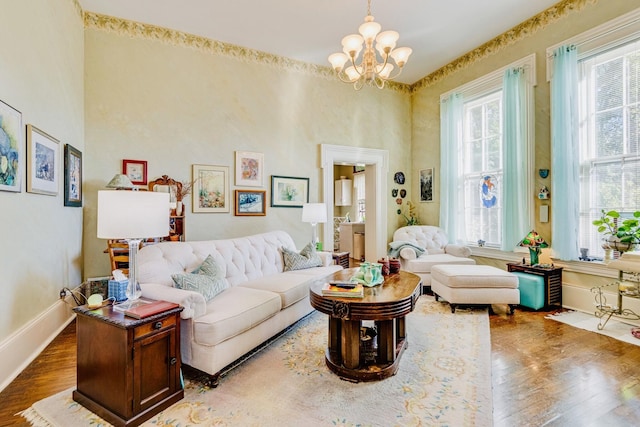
(376, 164)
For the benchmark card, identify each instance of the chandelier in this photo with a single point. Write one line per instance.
(372, 68)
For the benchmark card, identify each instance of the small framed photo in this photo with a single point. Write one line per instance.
(43, 162)
(289, 191)
(426, 185)
(251, 203)
(249, 169)
(136, 170)
(72, 176)
(210, 189)
(11, 151)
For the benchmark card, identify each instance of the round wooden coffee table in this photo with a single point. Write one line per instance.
(387, 305)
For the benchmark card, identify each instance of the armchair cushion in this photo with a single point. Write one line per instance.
(458, 250)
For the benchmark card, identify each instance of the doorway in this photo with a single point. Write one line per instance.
(377, 167)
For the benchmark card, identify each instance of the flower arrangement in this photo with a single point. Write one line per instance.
(185, 189)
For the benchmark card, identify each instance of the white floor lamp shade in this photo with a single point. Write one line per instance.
(132, 216)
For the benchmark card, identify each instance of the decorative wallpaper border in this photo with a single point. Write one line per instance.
(517, 33)
(178, 38)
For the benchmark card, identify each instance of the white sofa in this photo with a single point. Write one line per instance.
(437, 250)
(261, 301)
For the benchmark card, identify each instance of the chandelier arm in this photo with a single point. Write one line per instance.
(342, 79)
(355, 67)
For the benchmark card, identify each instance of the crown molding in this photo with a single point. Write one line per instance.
(139, 30)
(517, 33)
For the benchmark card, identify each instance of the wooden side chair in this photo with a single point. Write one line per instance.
(119, 255)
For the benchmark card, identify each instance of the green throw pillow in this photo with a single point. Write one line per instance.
(208, 279)
(307, 258)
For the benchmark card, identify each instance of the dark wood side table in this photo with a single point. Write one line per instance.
(341, 258)
(386, 304)
(128, 370)
(552, 280)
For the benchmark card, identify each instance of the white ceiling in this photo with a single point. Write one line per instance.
(438, 31)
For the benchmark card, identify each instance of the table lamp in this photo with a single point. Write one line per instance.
(132, 216)
(314, 213)
(534, 242)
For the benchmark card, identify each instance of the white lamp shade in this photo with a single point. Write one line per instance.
(352, 44)
(314, 213)
(401, 55)
(132, 214)
(386, 39)
(369, 30)
(338, 60)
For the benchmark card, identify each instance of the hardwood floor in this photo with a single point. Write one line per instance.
(545, 373)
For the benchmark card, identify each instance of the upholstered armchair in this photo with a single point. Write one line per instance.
(420, 247)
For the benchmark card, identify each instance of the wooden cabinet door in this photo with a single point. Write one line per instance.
(156, 369)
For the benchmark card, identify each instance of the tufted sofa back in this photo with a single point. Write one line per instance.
(242, 258)
(429, 237)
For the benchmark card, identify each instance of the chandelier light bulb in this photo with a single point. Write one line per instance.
(373, 69)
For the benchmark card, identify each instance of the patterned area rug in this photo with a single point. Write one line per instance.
(444, 379)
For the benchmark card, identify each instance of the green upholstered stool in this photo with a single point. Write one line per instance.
(531, 290)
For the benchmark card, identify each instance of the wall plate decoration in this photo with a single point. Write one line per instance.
(399, 178)
(403, 193)
(543, 173)
(394, 192)
(43, 162)
(11, 152)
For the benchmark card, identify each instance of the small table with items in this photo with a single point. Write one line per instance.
(551, 276)
(127, 369)
(387, 305)
(627, 286)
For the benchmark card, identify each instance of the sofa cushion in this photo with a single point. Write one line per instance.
(233, 312)
(207, 279)
(473, 276)
(425, 263)
(290, 286)
(307, 258)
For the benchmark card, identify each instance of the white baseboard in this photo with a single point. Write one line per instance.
(24, 345)
(582, 299)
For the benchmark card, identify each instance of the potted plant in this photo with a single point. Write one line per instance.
(622, 236)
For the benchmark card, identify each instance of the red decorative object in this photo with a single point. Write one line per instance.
(136, 170)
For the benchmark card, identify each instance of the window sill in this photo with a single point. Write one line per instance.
(594, 268)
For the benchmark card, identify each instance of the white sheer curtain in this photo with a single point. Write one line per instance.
(451, 188)
(515, 222)
(564, 153)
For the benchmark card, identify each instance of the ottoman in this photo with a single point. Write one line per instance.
(474, 284)
(531, 290)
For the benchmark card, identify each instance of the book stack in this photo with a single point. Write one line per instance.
(343, 290)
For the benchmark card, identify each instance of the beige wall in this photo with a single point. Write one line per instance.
(41, 75)
(426, 101)
(174, 106)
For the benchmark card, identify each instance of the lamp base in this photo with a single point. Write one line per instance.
(534, 253)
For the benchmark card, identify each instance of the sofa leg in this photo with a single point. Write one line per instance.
(213, 381)
(512, 309)
(453, 307)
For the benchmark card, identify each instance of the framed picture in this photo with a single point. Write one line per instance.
(289, 191)
(249, 168)
(251, 202)
(72, 176)
(210, 188)
(11, 153)
(136, 170)
(43, 162)
(426, 185)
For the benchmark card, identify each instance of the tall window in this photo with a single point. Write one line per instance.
(482, 168)
(486, 155)
(609, 101)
